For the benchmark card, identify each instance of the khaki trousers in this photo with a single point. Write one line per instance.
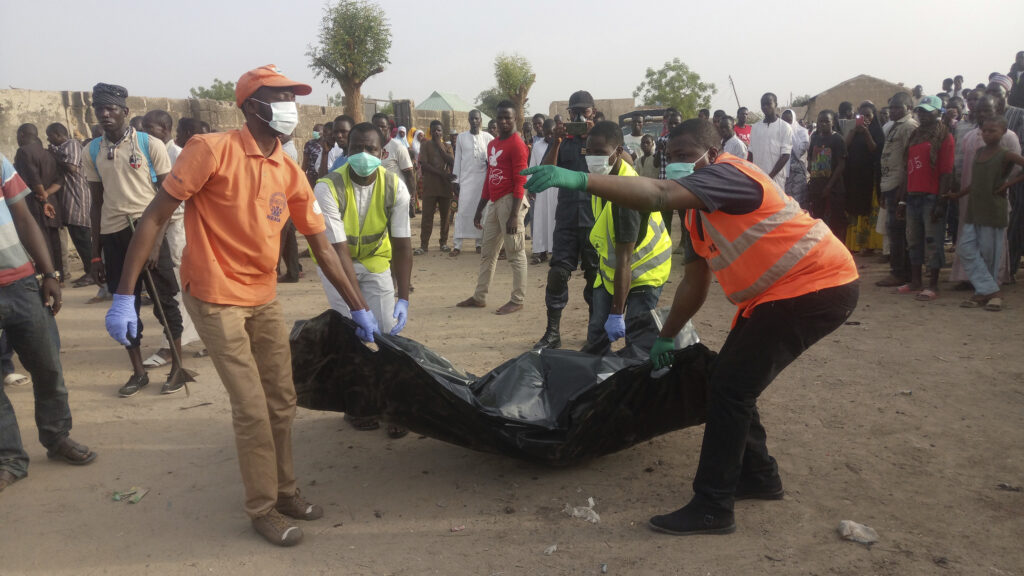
(515, 248)
(249, 347)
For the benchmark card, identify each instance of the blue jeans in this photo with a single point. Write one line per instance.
(32, 332)
(639, 332)
(6, 357)
(981, 251)
(925, 234)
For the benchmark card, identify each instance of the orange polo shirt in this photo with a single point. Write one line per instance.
(236, 202)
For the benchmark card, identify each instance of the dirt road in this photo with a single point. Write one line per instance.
(906, 420)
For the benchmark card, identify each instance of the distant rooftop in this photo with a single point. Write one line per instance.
(447, 102)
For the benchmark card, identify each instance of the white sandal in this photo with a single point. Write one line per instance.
(154, 361)
(15, 379)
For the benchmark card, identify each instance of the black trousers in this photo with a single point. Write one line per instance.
(81, 237)
(571, 247)
(290, 251)
(755, 352)
(115, 248)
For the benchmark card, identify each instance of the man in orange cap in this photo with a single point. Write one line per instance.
(240, 191)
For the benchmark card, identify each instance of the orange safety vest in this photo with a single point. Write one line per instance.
(773, 253)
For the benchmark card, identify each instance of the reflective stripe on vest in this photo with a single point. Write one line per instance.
(651, 262)
(760, 230)
(370, 245)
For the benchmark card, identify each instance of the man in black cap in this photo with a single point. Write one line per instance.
(574, 217)
(124, 169)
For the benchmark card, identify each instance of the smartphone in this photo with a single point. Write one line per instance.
(860, 120)
(575, 128)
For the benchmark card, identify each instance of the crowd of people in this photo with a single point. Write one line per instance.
(206, 222)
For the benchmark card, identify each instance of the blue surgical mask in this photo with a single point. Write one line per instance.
(363, 163)
(677, 170)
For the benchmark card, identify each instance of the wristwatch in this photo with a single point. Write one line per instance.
(55, 275)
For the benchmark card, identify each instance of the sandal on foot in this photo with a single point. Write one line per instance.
(508, 308)
(363, 423)
(157, 359)
(926, 295)
(471, 303)
(455, 252)
(445, 248)
(972, 304)
(419, 251)
(15, 379)
(395, 431)
(994, 304)
(71, 452)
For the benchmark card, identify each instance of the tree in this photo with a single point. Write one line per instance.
(487, 101)
(337, 100)
(355, 37)
(217, 91)
(676, 86)
(514, 75)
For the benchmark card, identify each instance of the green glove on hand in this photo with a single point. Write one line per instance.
(662, 353)
(544, 177)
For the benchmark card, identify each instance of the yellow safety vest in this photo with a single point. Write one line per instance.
(652, 257)
(368, 241)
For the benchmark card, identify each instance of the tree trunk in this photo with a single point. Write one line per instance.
(353, 100)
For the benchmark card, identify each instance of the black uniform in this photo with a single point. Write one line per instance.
(574, 217)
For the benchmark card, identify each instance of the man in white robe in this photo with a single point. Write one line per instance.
(470, 171)
(545, 203)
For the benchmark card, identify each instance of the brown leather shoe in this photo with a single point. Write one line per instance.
(471, 303)
(508, 308)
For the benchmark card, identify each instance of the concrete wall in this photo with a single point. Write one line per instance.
(74, 110)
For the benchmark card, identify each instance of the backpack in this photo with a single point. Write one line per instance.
(143, 138)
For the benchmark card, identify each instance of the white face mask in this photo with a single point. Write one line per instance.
(598, 164)
(284, 116)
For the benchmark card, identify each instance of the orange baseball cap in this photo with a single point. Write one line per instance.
(268, 75)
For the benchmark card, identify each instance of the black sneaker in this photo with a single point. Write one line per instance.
(694, 519)
(134, 384)
(175, 383)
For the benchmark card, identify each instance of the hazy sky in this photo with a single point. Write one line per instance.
(801, 47)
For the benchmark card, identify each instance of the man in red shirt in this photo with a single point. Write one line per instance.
(741, 128)
(503, 188)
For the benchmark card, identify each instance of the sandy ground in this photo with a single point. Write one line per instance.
(907, 421)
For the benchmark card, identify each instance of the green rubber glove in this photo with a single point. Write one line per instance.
(661, 353)
(544, 177)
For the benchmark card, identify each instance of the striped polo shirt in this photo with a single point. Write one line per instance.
(14, 263)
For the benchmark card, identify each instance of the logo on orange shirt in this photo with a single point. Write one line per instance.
(277, 204)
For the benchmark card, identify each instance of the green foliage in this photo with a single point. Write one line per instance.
(354, 41)
(217, 91)
(801, 100)
(337, 99)
(677, 86)
(514, 77)
(487, 101)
